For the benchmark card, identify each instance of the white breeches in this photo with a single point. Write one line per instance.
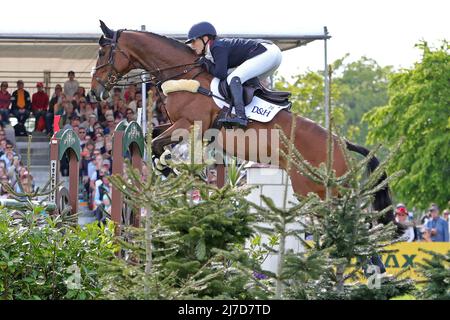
(261, 66)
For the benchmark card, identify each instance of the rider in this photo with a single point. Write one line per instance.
(251, 58)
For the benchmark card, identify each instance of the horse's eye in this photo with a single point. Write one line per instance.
(101, 53)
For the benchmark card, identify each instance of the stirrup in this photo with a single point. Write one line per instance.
(241, 122)
(236, 122)
(225, 122)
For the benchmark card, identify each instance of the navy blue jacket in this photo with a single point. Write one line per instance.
(232, 52)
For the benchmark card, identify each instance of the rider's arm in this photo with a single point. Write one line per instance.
(219, 68)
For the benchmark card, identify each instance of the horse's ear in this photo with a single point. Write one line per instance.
(103, 41)
(106, 31)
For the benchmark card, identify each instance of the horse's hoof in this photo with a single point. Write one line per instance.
(158, 165)
(165, 157)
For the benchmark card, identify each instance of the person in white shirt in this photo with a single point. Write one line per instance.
(71, 86)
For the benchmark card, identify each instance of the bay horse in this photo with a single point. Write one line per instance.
(165, 58)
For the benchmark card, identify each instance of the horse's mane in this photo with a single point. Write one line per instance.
(105, 40)
(173, 42)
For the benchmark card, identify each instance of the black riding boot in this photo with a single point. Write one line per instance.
(237, 94)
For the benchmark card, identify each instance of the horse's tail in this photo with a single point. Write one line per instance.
(382, 197)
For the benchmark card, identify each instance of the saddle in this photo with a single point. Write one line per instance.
(254, 87)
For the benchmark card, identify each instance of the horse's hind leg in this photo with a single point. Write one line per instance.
(302, 185)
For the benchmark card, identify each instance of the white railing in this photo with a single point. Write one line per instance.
(49, 78)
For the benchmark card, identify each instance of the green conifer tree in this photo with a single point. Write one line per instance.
(187, 248)
(344, 229)
(437, 274)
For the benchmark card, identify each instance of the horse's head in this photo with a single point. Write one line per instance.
(112, 62)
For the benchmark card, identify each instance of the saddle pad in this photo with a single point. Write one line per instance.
(258, 109)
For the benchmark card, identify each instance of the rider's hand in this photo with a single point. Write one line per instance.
(207, 64)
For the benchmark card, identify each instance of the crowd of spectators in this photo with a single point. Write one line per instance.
(431, 227)
(12, 170)
(93, 121)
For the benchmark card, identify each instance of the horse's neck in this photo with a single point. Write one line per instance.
(155, 53)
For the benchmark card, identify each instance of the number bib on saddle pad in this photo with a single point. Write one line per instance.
(258, 109)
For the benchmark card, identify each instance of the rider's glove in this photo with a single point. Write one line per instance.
(207, 64)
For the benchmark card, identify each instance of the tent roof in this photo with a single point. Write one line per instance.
(84, 46)
(29, 56)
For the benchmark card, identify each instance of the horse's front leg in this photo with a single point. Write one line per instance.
(167, 136)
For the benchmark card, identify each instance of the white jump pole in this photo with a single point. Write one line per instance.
(144, 103)
(327, 84)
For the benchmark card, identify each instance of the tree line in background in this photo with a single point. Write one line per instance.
(373, 104)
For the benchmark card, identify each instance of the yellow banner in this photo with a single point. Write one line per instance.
(408, 255)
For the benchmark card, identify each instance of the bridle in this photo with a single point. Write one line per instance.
(113, 75)
(154, 76)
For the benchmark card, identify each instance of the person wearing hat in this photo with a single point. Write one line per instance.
(108, 114)
(401, 216)
(21, 103)
(109, 124)
(39, 105)
(437, 227)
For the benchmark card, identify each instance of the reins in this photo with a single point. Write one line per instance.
(154, 75)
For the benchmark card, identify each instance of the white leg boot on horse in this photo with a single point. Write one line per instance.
(166, 138)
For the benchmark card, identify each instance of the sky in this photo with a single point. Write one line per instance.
(385, 30)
